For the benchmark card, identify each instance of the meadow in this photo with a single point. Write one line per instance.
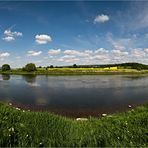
(20, 128)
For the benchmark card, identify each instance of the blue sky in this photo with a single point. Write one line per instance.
(81, 32)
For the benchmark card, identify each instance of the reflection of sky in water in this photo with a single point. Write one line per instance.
(75, 92)
(94, 81)
(33, 84)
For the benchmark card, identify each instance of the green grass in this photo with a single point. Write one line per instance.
(76, 71)
(29, 129)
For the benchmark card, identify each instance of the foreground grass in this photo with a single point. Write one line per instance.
(33, 129)
(76, 71)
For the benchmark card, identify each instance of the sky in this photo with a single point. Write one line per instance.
(73, 32)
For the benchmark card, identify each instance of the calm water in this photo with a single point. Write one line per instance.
(75, 96)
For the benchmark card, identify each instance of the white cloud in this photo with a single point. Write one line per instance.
(71, 52)
(11, 36)
(4, 54)
(119, 53)
(8, 38)
(89, 51)
(54, 51)
(101, 51)
(68, 59)
(101, 18)
(34, 53)
(78, 53)
(138, 52)
(118, 46)
(101, 57)
(43, 39)
(68, 56)
(146, 50)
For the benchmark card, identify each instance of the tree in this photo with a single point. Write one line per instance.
(51, 66)
(75, 66)
(6, 67)
(30, 67)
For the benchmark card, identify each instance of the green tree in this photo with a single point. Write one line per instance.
(51, 66)
(6, 67)
(75, 66)
(30, 67)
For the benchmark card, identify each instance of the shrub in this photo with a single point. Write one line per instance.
(6, 67)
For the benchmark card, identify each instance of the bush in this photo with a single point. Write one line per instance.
(30, 67)
(6, 67)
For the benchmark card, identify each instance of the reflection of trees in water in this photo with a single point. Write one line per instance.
(30, 78)
(5, 76)
(136, 77)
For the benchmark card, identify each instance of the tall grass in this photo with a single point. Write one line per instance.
(33, 129)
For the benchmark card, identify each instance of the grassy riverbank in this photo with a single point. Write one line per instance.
(75, 71)
(24, 129)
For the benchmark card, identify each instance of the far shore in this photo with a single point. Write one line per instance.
(75, 71)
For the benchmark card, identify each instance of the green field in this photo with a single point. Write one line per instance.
(20, 128)
(76, 71)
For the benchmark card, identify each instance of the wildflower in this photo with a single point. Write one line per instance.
(11, 129)
(23, 110)
(126, 123)
(41, 144)
(104, 115)
(17, 108)
(10, 103)
(129, 106)
(81, 119)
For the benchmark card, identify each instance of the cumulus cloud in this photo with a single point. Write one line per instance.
(118, 46)
(101, 51)
(68, 59)
(34, 53)
(98, 56)
(101, 18)
(43, 39)
(4, 54)
(54, 51)
(119, 52)
(11, 36)
(78, 53)
(71, 52)
(138, 52)
(8, 38)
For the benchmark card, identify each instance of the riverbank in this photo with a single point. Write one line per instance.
(21, 128)
(75, 71)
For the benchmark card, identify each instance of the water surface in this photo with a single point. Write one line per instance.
(75, 96)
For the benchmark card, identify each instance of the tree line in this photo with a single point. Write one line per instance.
(32, 67)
